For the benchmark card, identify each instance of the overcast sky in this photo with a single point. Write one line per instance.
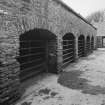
(86, 7)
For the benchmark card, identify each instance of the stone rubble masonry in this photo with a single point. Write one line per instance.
(9, 67)
(99, 42)
(19, 16)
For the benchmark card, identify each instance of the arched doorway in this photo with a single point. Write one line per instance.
(87, 44)
(103, 41)
(92, 43)
(37, 53)
(68, 48)
(81, 46)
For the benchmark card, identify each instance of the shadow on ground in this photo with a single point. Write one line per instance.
(72, 80)
(44, 93)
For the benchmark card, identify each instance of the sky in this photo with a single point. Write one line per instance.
(86, 7)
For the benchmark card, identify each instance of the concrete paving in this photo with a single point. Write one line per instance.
(81, 83)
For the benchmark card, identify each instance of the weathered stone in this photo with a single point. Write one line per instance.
(20, 16)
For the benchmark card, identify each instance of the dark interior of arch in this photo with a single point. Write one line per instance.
(68, 36)
(68, 48)
(38, 34)
(81, 46)
(88, 44)
(35, 46)
(92, 43)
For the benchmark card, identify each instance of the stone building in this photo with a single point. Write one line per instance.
(100, 25)
(39, 36)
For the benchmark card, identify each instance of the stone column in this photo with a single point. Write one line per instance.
(76, 47)
(85, 50)
(59, 54)
(95, 42)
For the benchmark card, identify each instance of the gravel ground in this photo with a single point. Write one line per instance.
(81, 83)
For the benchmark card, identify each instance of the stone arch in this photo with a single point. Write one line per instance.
(68, 30)
(81, 45)
(37, 53)
(68, 48)
(88, 44)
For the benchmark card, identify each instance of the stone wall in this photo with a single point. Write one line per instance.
(19, 16)
(99, 42)
(9, 68)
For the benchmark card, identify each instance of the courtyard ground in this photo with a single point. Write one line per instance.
(81, 83)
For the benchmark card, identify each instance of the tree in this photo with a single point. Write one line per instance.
(97, 16)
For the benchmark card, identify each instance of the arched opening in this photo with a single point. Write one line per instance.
(88, 45)
(81, 46)
(92, 43)
(68, 49)
(103, 41)
(37, 53)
